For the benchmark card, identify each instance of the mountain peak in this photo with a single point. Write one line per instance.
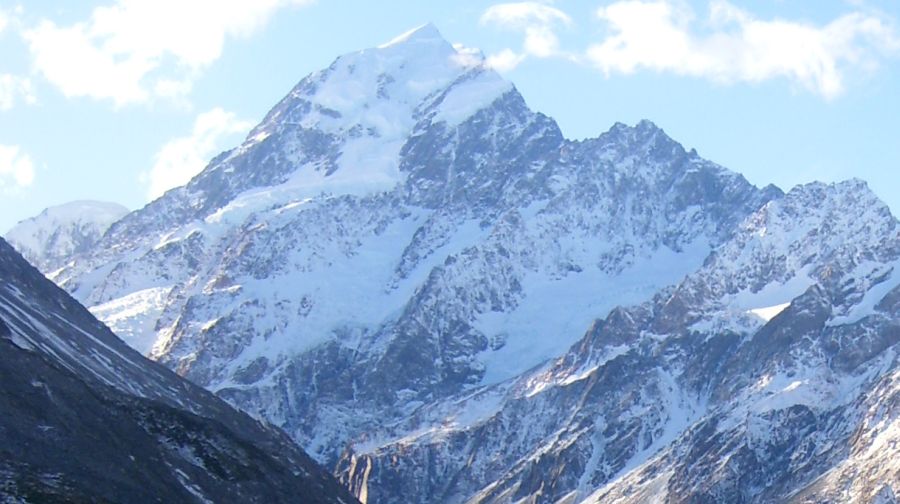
(426, 33)
(644, 127)
(79, 209)
(852, 192)
(50, 239)
(647, 125)
(644, 133)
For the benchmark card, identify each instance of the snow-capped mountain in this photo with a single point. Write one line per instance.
(271, 266)
(707, 393)
(61, 232)
(426, 284)
(87, 419)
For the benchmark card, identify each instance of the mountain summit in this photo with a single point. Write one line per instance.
(341, 130)
(50, 239)
(429, 287)
(427, 33)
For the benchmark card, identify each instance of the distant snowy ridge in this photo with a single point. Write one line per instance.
(61, 232)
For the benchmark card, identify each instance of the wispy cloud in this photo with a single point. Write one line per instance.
(726, 45)
(537, 21)
(182, 158)
(13, 89)
(665, 36)
(134, 50)
(16, 169)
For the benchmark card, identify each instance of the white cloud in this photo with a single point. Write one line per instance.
(467, 56)
(11, 18)
(735, 46)
(14, 88)
(537, 20)
(16, 168)
(182, 158)
(505, 60)
(136, 49)
(170, 88)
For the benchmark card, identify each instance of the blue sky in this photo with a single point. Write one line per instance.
(119, 100)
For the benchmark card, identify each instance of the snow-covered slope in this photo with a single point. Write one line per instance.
(87, 419)
(53, 237)
(424, 282)
(692, 397)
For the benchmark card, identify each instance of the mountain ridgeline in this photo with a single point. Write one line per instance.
(434, 292)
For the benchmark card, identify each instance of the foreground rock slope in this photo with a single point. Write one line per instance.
(88, 419)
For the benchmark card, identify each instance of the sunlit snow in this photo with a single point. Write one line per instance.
(769, 312)
(132, 317)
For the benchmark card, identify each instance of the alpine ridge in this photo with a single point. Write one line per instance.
(59, 233)
(437, 294)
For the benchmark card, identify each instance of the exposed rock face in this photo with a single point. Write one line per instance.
(427, 285)
(87, 419)
(692, 397)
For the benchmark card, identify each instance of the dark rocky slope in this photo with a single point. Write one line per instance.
(87, 419)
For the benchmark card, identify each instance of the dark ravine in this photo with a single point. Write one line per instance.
(87, 419)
